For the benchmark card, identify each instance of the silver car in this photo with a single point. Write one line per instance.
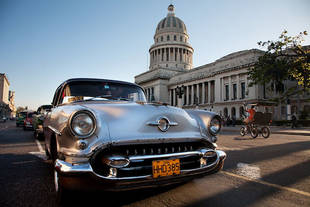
(101, 134)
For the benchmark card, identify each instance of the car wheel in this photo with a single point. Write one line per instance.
(265, 132)
(242, 131)
(254, 132)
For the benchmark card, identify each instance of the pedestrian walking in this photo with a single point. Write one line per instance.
(294, 121)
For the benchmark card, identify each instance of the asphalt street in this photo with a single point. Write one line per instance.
(257, 172)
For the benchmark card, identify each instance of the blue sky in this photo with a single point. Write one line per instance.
(43, 43)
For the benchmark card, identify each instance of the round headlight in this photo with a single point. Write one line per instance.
(215, 126)
(163, 124)
(83, 124)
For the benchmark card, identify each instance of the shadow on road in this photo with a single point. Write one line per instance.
(255, 192)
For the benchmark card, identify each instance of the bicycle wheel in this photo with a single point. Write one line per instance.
(254, 132)
(242, 131)
(265, 132)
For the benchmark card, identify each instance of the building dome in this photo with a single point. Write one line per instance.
(171, 24)
(171, 48)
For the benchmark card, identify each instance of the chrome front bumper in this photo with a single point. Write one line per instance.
(79, 175)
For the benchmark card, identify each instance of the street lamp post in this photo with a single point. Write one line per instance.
(179, 92)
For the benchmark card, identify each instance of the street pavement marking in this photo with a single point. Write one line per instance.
(40, 155)
(23, 162)
(247, 170)
(39, 145)
(280, 187)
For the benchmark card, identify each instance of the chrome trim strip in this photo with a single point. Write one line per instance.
(54, 130)
(179, 154)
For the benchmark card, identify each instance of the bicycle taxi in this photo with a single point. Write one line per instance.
(261, 121)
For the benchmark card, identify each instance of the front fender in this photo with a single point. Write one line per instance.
(204, 118)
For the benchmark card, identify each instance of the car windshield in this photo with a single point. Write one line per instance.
(22, 114)
(93, 90)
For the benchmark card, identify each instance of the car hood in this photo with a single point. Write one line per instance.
(129, 122)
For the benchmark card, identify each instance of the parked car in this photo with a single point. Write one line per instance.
(37, 120)
(28, 120)
(3, 119)
(20, 117)
(101, 134)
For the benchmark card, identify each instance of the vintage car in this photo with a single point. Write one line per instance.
(101, 134)
(28, 120)
(37, 120)
(20, 117)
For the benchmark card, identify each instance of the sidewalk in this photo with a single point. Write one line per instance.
(304, 131)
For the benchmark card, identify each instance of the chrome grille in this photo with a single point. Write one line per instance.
(142, 167)
(156, 149)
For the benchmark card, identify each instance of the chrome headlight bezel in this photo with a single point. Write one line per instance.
(89, 115)
(215, 125)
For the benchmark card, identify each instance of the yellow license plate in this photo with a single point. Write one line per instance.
(163, 168)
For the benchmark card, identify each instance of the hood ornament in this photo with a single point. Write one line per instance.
(162, 123)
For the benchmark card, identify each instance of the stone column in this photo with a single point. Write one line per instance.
(209, 91)
(230, 87)
(197, 93)
(187, 95)
(203, 93)
(238, 87)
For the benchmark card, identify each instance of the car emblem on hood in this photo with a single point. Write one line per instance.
(162, 123)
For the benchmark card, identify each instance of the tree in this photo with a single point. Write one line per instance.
(20, 109)
(284, 59)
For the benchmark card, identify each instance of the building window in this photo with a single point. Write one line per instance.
(241, 111)
(242, 90)
(226, 92)
(200, 93)
(212, 99)
(181, 38)
(162, 55)
(185, 95)
(167, 54)
(225, 112)
(168, 38)
(189, 95)
(171, 97)
(206, 92)
(161, 38)
(175, 38)
(156, 39)
(234, 91)
(233, 112)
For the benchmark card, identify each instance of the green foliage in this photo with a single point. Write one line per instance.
(284, 59)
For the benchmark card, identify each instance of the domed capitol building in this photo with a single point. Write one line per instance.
(220, 86)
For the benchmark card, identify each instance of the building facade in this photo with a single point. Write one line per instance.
(7, 98)
(221, 86)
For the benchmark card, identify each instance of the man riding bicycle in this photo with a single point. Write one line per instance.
(251, 111)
